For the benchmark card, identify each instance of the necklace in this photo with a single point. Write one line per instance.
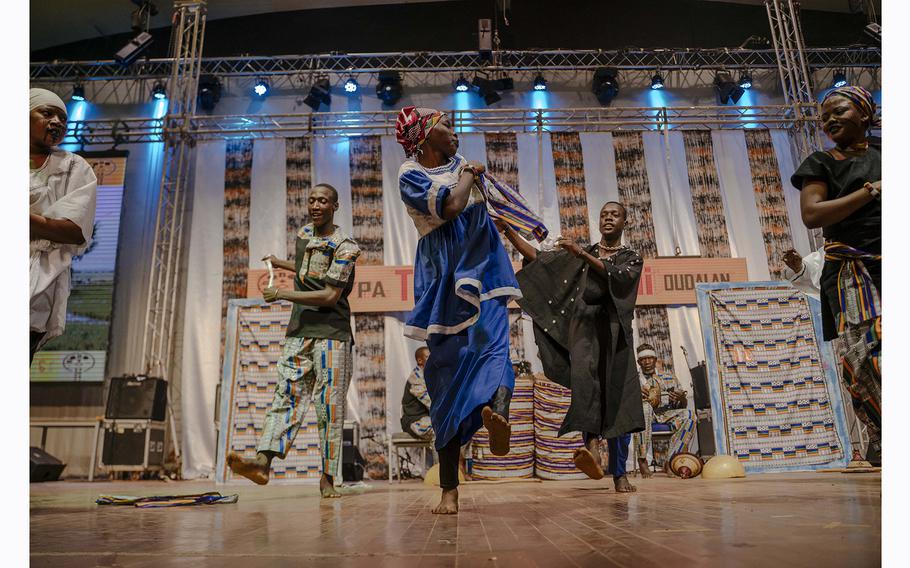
(855, 148)
(605, 248)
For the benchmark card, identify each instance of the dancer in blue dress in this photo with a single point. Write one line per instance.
(463, 282)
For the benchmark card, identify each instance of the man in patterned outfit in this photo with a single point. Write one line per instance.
(664, 402)
(315, 363)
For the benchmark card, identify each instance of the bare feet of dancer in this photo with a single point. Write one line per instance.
(622, 485)
(327, 487)
(644, 469)
(448, 505)
(587, 459)
(499, 429)
(256, 469)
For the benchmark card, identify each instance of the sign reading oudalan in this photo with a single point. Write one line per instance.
(664, 281)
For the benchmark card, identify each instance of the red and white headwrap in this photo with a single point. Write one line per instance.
(414, 125)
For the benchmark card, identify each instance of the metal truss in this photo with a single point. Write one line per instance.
(465, 61)
(159, 334)
(598, 119)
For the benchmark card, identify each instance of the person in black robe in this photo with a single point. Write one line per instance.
(582, 301)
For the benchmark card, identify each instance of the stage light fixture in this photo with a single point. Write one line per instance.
(351, 86)
(131, 51)
(158, 91)
(540, 84)
(840, 80)
(745, 80)
(727, 90)
(462, 85)
(389, 89)
(209, 92)
(261, 88)
(320, 93)
(605, 85)
(504, 84)
(657, 81)
(486, 88)
(78, 93)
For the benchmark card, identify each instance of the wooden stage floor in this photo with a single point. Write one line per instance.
(765, 520)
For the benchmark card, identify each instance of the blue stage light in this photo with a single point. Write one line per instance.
(351, 86)
(159, 92)
(462, 85)
(540, 84)
(78, 93)
(840, 80)
(745, 80)
(657, 82)
(261, 88)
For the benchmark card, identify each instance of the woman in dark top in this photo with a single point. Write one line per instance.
(841, 193)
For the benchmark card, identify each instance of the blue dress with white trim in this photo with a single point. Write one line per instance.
(463, 282)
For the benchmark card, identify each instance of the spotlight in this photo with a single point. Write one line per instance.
(540, 84)
(726, 89)
(504, 84)
(209, 92)
(131, 51)
(840, 80)
(486, 89)
(462, 85)
(320, 93)
(158, 91)
(78, 93)
(604, 85)
(389, 89)
(261, 88)
(657, 81)
(351, 86)
(745, 80)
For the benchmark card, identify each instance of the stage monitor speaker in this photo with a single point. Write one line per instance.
(137, 398)
(352, 463)
(44, 467)
(704, 427)
(136, 444)
(700, 386)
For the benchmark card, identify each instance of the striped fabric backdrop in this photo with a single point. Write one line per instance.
(552, 454)
(707, 203)
(369, 351)
(502, 162)
(237, 178)
(299, 178)
(635, 193)
(568, 165)
(519, 462)
(769, 197)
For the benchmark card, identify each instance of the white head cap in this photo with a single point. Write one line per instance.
(40, 97)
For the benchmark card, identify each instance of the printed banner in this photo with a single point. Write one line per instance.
(664, 281)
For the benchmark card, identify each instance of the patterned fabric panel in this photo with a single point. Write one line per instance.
(568, 165)
(707, 203)
(237, 175)
(502, 162)
(519, 462)
(635, 194)
(369, 379)
(259, 341)
(552, 454)
(776, 405)
(299, 172)
(769, 197)
(366, 197)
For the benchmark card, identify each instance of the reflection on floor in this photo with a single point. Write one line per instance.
(768, 520)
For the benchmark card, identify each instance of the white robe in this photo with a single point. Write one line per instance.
(65, 187)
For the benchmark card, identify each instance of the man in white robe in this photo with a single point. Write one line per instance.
(62, 193)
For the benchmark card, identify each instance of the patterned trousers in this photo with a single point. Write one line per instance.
(423, 428)
(862, 373)
(317, 371)
(680, 421)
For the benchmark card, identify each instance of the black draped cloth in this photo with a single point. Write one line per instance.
(583, 330)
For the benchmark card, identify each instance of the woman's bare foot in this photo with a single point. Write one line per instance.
(256, 470)
(448, 504)
(327, 488)
(644, 469)
(499, 429)
(622, 485)
(587, 463)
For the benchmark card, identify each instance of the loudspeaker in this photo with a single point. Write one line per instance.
(700, 386)
(138, 443)
(137, 398)
(352, 463)
(704, 426)
(44, 467)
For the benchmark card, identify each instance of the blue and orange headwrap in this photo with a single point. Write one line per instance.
(414, 125)
(860, 97)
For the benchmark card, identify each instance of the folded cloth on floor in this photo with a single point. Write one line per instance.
(213, 498)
